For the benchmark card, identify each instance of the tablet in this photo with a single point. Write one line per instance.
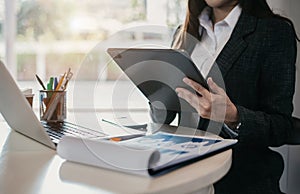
(158, 72)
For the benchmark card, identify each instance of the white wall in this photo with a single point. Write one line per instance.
(295, 16)
(290, 179)
(294, 151)
(290, 9)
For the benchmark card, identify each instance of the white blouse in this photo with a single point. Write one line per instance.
(213, 39)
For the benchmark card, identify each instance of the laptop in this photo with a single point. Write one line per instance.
(20, 117)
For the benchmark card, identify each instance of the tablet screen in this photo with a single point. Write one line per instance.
(158, 72)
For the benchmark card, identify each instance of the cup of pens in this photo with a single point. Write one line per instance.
(53, 98)
(53, 105)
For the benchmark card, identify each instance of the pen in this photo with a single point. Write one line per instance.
(124, 137)
(42, 104)
(142, 127)
(40, 81)
(104, 120)
(55, 82)
(51, 83)
(49, 87)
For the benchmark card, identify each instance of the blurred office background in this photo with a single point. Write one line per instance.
(46, 37)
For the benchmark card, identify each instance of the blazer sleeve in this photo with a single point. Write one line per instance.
(270, 124)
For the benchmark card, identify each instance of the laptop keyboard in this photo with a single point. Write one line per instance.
(57, 130)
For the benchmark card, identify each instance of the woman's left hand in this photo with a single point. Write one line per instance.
(214, 105)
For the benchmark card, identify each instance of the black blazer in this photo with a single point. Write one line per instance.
(258, 68)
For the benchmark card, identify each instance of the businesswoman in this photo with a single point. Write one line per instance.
(255, 52)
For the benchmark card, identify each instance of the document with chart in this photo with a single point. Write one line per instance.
(148, 155)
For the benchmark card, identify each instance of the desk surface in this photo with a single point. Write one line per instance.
(29, 167)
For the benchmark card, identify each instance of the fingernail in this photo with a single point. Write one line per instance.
(185, 80)
(177, 91)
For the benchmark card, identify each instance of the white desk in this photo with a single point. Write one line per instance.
(27, 167)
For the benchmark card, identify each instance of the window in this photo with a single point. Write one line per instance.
(53, 35)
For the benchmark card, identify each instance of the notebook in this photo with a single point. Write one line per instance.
(147, 155)
(19, 115)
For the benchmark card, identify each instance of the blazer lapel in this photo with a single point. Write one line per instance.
(236, 44)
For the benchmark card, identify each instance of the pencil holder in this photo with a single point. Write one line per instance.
(52, 105)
